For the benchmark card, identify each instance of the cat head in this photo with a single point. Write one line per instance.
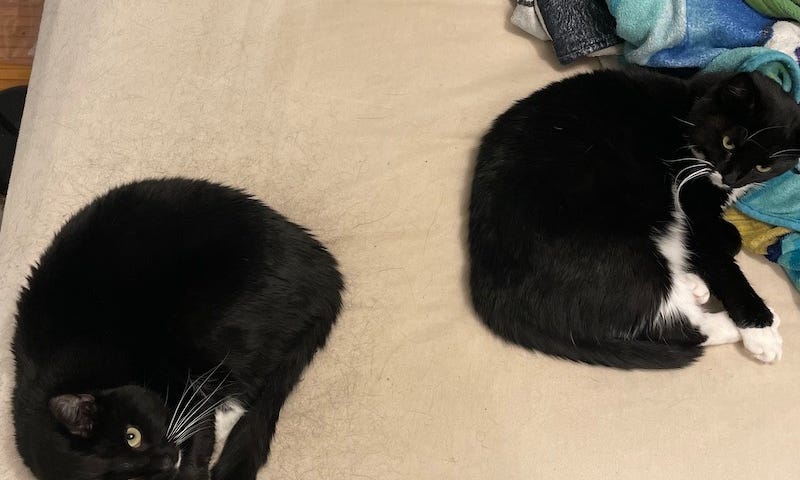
(748, 128)
(120, 432)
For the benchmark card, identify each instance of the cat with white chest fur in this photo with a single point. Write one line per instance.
(595, 217)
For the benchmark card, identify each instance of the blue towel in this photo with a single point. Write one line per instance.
(776, 203)
(773, 64)
(686, 33)
(715, 35)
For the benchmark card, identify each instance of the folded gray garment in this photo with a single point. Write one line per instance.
(576, 27)
(528, 17)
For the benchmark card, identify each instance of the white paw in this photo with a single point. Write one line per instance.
(719, 329)
(698, 288)
(765, 343)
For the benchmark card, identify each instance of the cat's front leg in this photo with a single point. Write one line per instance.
(757, 323)
(196, 456)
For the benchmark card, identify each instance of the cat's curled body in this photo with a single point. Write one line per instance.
(595, 218)
(154, 304)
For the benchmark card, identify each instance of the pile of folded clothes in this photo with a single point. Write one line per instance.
(692, 35)
(689, 36)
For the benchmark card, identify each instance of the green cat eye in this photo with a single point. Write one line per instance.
(134, 437)
(763, 168)
(728, 143)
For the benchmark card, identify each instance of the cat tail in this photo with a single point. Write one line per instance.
(247, 446)
(626, 354)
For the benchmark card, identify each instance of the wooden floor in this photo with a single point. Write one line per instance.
(19, 28)
(13, 75)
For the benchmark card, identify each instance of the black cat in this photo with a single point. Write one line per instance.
(595, 229)
(154, 305)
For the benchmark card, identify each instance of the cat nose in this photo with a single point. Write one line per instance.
(731, 178)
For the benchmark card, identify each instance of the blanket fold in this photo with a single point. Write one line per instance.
(774, 218)
(686, 33)
(772, 63)
(777, 8)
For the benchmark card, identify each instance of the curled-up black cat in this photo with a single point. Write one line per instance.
(595, 228)
(155, 306)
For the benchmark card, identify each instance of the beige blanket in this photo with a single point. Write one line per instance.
(360, 119)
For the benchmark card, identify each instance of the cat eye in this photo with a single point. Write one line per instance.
(134, 437)
(728, 143)
(763, 168)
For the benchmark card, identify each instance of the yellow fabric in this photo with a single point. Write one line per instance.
(756, 235)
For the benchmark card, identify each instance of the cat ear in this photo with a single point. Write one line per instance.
(738, 92)
(75, 412)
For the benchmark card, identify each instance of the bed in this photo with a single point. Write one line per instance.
(360, 120)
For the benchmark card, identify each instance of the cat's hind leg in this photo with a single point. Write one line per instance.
(688, 293)
(698, 288)
(718, 328)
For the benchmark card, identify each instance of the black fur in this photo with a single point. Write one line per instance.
(573, 184)
(149, 283)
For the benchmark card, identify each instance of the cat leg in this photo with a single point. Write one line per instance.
(247, 446)
(196, 456)
(757, 323)
(718, 328)
(689, 292)
(698, 288)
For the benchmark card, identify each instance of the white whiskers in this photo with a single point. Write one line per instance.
(690, 167)
(699, 167)
(187, 419)
(763, 130)
(685, 159)
(787, 152)
(200, 411)
(691, 159)
(181, 406)
(703, 171)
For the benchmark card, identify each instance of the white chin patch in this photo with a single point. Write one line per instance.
(716, 179)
